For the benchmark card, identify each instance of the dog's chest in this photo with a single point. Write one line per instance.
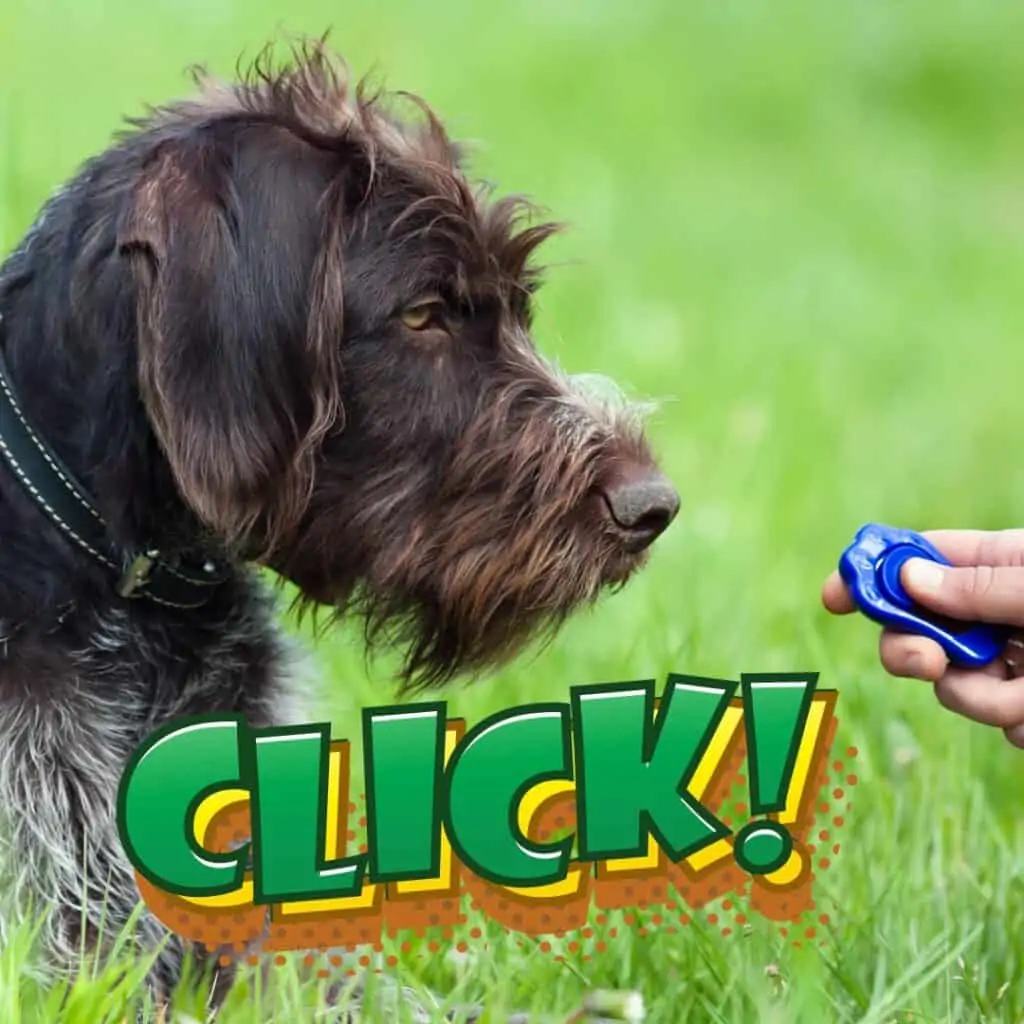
(104, 687)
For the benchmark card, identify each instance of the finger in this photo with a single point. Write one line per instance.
(980, 547)
(961, 547)
(912, 657)
(976, 593)
(1015, 734)
(1013, 655)
(979, 697)
(836, 597)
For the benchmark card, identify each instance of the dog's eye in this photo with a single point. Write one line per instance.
(423, 315)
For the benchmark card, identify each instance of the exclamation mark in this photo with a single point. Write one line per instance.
(775, 709)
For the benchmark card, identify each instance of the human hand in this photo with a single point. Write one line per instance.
(985, 584)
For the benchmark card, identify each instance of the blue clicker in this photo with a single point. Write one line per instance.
(870, 567)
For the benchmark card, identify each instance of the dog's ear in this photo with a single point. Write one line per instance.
(238, 271)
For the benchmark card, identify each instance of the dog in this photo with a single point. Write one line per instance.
(274, 330)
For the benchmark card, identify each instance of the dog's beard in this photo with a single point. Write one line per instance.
(504, 545)
(487, 608)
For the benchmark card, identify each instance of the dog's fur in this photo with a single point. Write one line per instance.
(206, 326)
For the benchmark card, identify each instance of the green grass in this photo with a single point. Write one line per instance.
(798, 224)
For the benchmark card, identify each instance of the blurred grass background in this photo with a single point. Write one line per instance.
(800, 226)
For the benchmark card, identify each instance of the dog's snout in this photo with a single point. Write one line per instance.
(643, 505)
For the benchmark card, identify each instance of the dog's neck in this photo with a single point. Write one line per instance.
(146, 573)
(78, 390)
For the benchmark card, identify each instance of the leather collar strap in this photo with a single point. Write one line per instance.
(57, 493)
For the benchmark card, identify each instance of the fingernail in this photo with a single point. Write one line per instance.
(923, 576)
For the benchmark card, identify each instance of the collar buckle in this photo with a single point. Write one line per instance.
(137, 573)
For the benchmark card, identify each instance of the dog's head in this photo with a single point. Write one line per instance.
(335, 354)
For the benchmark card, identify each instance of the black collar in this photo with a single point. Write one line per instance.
(57, 493)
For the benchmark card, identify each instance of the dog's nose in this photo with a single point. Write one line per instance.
(643, 505)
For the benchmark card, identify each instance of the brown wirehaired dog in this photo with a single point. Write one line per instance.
(271, 326)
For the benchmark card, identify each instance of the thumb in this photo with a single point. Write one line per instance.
(975, 593)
